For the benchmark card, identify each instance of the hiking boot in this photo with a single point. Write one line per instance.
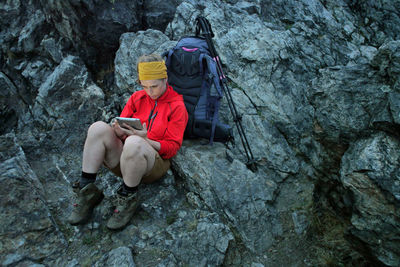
(125, 207)
(87, 198)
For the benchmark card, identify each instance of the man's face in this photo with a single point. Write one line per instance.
(154, 88)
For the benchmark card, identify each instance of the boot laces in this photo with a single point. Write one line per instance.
(121, 202)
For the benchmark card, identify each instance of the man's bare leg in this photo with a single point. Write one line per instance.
(101, 145)
(137, 159)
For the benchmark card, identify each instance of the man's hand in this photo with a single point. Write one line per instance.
(128, 130)
(118, 130)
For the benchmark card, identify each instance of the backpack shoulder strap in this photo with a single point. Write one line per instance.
(214, 94)
(216, 90)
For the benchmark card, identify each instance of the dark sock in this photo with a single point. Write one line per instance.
(125, 190)
(130, 189)
(86, 179)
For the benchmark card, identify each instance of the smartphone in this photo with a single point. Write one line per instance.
(133, 122)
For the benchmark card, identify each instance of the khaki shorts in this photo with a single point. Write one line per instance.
(159, 169)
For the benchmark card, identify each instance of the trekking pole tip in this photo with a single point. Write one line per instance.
(252, 165)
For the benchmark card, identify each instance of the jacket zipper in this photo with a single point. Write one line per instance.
(152, 117)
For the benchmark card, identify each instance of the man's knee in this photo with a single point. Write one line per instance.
(135, 146)
(99, 128)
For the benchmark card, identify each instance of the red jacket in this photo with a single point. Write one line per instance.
(167, 122)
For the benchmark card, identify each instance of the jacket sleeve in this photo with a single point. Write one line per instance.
(173, 136)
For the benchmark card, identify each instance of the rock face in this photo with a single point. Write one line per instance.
(28, 231)
(370, 171)
(317, 83)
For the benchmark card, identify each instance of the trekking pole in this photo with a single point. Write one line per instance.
(204, 26)
(207, 32)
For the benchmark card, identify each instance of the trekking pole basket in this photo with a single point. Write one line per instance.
(203, 29)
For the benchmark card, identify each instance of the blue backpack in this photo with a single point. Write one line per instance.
(192, 72)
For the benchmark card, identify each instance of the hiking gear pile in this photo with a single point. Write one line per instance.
(195, 71)
(193, 74)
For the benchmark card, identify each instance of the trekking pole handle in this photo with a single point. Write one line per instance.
(202, 24)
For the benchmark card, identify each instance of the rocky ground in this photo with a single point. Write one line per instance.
(317, 83)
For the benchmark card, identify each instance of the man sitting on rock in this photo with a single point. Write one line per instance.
(138, 156)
